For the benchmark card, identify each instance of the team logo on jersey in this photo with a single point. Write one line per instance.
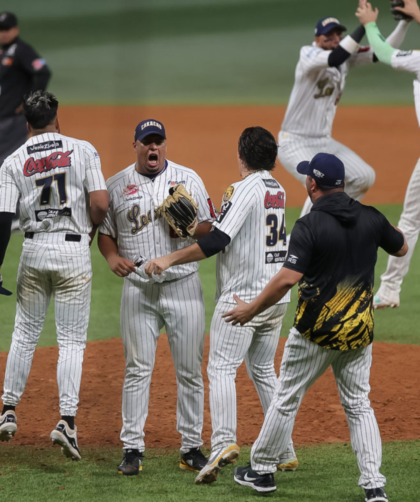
(131, 192)
(46, 145)
(274, 201)
(228, 194)
(48, 214)
(271, 183)
(53, 161)
(173, 183)
(275, 256)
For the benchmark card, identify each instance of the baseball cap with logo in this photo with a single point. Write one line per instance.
(149, 126)
(326, 169)
(7, 21)
(327, 24)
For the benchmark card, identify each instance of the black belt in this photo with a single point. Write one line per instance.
(68, 237)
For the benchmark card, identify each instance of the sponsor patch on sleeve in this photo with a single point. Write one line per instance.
(293, 259)
(224, 211)
(37, 64)
(211, 207)
(275, 256)
(228, 194)
(401, 54)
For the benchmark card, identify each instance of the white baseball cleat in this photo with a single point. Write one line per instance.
(217, 460)
(67, 439)
(380, 303)
(8, 427)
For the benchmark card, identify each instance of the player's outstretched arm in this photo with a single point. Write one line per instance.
(275, 290)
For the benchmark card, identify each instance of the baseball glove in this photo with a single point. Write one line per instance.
(180, 210)
(398, 15)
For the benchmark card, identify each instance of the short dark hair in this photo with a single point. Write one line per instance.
(258, 149)
(40, 109)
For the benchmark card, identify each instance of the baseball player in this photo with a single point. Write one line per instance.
(251, 232)
(388, 294)
(333, 323)
(320, 78)
(62, 194)
(134, 227)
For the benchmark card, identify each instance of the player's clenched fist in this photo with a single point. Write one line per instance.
(157, 266)
(121, 266)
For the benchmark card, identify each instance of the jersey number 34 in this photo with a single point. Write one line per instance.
(277, 233)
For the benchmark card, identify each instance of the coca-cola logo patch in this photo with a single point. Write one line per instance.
(53, 161)
(275, 201)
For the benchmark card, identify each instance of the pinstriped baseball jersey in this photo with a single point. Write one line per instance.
(131, 216)
(253, 215)
(51, 175)
(409, 61)
(317, 91)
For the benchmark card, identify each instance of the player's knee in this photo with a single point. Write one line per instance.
(358, 408)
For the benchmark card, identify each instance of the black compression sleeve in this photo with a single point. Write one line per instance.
(5, 231)
(339, 55)
(214, 242)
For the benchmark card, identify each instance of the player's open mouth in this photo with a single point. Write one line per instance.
(153, 160)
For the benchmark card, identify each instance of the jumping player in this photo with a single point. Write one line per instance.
(251, 232)
(132, 228)
(62, 193)
(320, 78)
(388, 294)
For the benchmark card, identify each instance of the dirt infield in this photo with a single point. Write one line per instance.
(205, 139)
(395, 382)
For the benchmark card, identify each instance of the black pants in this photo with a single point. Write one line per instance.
(13, 134)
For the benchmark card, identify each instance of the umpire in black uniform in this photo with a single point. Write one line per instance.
(332, 254)
(22, 71)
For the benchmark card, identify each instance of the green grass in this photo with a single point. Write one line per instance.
(325, 473)
(193, 52)
(396, 325)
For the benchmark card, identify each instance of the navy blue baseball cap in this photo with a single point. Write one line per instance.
(326, 169)
(327, 24)
(149, 126)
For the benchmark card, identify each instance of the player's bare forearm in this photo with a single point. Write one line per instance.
(202, 229)
(109, 249)
(186, 255)
(99, 202)
(275, 290)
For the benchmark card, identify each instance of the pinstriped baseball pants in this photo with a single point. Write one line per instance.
(294, 148)
(229, 345)
(410, 225)
(302, 364)
(145, 309)
(50, 267)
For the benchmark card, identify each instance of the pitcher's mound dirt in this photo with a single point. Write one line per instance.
(395, 382)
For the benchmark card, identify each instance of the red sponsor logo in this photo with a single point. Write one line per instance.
(274, 201)
(130, 190)
(56, 159)
(212, 210)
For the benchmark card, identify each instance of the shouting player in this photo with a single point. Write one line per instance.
(251, 232)
(62, 193)
(133, 227)
(320, 78)
(388, 294)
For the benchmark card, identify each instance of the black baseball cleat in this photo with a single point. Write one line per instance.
(67, 439)
(193, 460)
(8, 425)
(262, 483)
(131, 463)
(375, 495)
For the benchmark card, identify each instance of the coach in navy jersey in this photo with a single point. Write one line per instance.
(332, 254)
